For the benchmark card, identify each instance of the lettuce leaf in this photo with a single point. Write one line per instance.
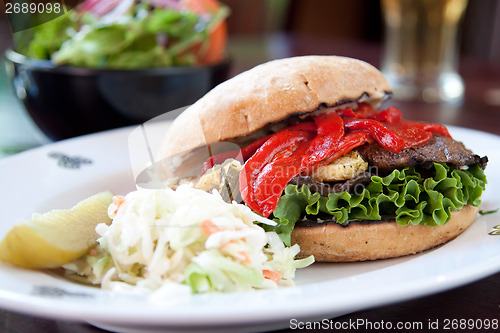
(143, 37)
(404, 195)
(43, 40)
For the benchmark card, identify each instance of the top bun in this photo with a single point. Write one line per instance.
(270, 93)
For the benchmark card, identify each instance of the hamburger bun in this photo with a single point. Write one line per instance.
(331, 242)
(270, 93)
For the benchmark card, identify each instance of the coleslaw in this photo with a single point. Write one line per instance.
(186, 241)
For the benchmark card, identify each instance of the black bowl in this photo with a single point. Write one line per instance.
(70, 101)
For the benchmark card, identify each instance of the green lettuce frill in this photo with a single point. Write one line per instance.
(404, 195)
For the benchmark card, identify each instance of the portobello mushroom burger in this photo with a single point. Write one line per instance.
(302, 141)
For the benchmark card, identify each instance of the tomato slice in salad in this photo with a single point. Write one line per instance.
(218, 36)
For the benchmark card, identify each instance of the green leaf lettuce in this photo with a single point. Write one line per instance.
(404, 195)
(143, 37)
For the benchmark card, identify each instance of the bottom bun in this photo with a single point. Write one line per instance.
(330, 242)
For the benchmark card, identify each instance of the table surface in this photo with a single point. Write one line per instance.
(480, 110)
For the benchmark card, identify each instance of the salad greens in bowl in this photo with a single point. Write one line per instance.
(130, 34)
(113, 63)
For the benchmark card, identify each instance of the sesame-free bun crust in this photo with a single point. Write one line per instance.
(269, 93)
(359, 242)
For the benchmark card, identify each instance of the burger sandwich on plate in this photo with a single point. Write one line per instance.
(302, 141)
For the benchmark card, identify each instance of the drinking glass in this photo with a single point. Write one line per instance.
(420, 49)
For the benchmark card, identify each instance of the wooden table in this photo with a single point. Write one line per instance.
(481, 110)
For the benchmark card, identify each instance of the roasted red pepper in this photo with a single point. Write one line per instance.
(266, 173)
(411, 135)
(349, 142)
(385, 137)
(329, 124)
(391, 115)
(330, 131)
(274, 177)
(310, 144)
(429, 127)
(246, 153)
(365, 111)
(249, 150)
(347, 113)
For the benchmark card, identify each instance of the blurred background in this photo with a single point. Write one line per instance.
(345, 21)
(260, 30)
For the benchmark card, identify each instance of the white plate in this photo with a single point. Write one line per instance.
(36, 181)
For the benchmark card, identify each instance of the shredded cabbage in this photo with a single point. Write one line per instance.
(186, 241)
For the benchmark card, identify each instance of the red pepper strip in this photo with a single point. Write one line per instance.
(365, 111)
(281, 146)
(391, 115)
(319, 149)
(246, 153)
(350, 141)
(416, 133)
(436, 128)
(329, 123)
(413, 136)
(330, 131)
(346, 113)
(249, 150)
(266, 189)
(274, 177)
(304, 126)
(429, 127)
(385, 137)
